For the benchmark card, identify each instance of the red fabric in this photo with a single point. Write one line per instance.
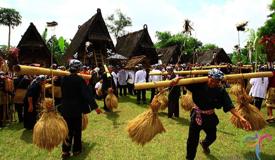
(272, 81)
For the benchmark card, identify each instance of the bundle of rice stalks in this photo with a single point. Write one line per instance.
(252, 115)
(245, 109)
(51, 129)
(187, 101)
(163, 99)
(111, 100)
(147, 125)
(84, 121)
(236, 89)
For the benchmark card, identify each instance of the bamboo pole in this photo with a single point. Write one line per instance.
(223, 66)
(189, 72)
(107, 71)
(30, 70)
(186, 81)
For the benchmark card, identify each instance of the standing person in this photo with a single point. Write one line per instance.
(122, 81)
(130, 81)
(108, 82)
(155, 78)
(270, 99)
(113, 72)
(207, 97)
(2, 97)
(76, 99)
(21, 84)
(140, 77)
(31, 100)
(258, 89)
(174, 94)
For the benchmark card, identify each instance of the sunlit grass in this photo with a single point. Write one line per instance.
(106, 139)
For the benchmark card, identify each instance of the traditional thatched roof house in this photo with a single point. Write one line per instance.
(136, 44)
(95, 32)
(33, 48)
(138, 60)
(214, 56)
(172, 55)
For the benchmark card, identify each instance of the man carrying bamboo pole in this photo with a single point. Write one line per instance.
(207, 97)
(31, 101)
(76, 100)
(174, 94)
(270, 100)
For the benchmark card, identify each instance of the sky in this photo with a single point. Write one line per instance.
(214, 21)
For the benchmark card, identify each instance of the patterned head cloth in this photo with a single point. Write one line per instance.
(40, 78)
(75, 65)
(216, 74)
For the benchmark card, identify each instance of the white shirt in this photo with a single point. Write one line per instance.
(114, 77)
(140, 76)
(98, 85)
(122, 77)
(131, 77)
(259, 87)
(155, 78)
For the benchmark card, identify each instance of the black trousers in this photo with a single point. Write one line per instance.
(258, 102)
(209, 124)
(1, 115)
(142, 93)
(173, 106)
(124, 89)
(29, 117)
(153, 93)
(131, 90)
(105, 107)
(75, 131)
(19, 110)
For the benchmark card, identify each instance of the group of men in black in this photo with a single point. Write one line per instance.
(78, 98)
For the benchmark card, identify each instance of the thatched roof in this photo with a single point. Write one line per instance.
(33, 48)
(136, 44)
(169, 55)
(95, 31)
(214, 56)
(132, 62)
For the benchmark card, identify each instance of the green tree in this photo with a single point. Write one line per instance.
(187, 43)
(58, 47)
(269, 26)
(117, 22)
(11, 18)
(207, 47)
(256, 49)
(240, 57)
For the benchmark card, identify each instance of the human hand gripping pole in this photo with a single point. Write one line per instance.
(175, 81)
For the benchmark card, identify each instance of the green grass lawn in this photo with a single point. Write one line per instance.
(106, 138)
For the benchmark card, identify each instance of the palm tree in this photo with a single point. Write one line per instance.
(9, 17)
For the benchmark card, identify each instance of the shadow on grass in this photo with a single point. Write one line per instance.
(252, 156)
(87, 147)
(271, 124)
(26, 136)
(113, 116)
(227, 133)
(14, 126)
(180, 120)
(211, 157)
(133, 100)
